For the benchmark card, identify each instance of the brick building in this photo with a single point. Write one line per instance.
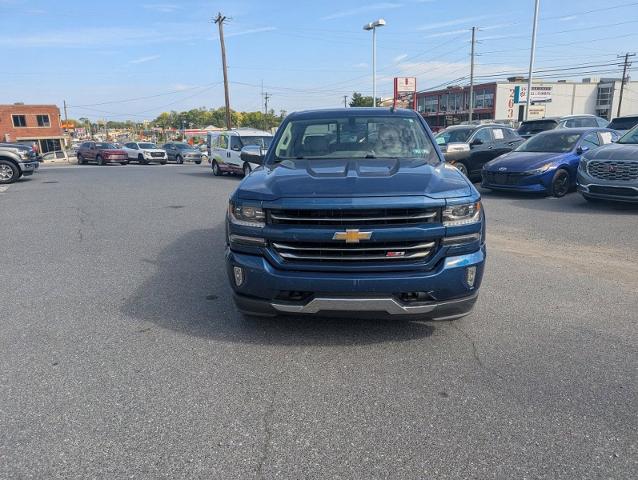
(32, 123)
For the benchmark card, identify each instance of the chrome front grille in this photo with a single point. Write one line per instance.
(336, 217)
(360, 252)
(613, 170)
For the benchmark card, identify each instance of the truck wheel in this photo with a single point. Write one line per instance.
(9, 173)
(461, 167)
(141, 161)
(100, 160)
(81, 160)
(179, 160)
(216, 171)
(247, 169)
(560, 183)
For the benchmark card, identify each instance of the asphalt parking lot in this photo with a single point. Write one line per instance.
(122, 355)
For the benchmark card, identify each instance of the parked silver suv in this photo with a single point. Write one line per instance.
(610, 172)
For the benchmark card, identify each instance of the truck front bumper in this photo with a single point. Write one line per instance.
(446, 291)
(29, 167)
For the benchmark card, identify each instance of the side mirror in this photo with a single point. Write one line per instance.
(582, 149)
(476, 141)
(253, 154)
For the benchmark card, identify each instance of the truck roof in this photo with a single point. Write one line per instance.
(352, 112)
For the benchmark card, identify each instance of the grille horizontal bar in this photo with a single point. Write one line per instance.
(348, 217)
(381, 251)
(613, 170)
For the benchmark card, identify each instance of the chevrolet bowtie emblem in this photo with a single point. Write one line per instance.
(352, 236)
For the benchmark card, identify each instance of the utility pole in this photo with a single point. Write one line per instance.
(345, 101)
(624, 77)
(266, 97)
(471, 110)
(66, 120)
(219, 20)
(531, 59)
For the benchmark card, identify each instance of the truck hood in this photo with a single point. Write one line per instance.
(614, 151)
(354, 178)
(524, 161)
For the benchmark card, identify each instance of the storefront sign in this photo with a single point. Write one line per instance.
(540, 94)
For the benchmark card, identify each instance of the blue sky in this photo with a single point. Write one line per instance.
(102, 56)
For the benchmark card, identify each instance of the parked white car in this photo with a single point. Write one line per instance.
(144, 153)
(224, 149)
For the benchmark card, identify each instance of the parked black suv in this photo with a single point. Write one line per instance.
(469, 147)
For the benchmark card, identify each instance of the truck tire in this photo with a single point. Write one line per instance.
(247, 169)
(179, 160)
(100, 160)
(9, 172)
(81, 160)
(216, 171)
(461, 167)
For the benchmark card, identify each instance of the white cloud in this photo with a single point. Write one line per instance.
(162, 7)
(447, 34)
(361, 10)
(570, 17)
(252, 30)
(430, 74)
(144, 59)
(361, 65)
(449, 23)
(398, 58)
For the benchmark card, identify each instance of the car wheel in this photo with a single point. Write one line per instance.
(163, 162)
(9, 173)
(198, 163)
(216, 171)
(80, 159)
(141, 161)
(179, 160)
(560, 183)
(461, 167)
(100, 160)
(124, 163)
(247, 169)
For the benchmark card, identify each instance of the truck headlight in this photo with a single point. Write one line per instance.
(24, 154)
(246, 215)
(464, 214)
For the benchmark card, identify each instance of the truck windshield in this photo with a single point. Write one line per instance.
(453, 135)
(256, 140)
(355, 137)
(553, 142)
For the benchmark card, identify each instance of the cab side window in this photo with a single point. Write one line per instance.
(235, 143)
(483, 135)
(223, 142)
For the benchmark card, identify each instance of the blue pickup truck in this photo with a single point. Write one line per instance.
(355, 212)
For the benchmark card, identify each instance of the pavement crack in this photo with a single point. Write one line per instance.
(265, 449)
(475, 353)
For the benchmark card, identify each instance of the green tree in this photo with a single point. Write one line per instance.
(358, 100)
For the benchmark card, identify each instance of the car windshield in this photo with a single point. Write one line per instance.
(554, 142)
(257, 140)
(147, 145)
(104, 145)
(453, 135)
(355, 137)
(623, 123)
(631, 137)
(537, 126)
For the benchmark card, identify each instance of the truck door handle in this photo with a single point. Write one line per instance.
(490, 147)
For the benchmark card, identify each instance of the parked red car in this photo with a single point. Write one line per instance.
(102, 153)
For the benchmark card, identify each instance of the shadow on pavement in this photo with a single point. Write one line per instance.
(189, 293)
(573, 202)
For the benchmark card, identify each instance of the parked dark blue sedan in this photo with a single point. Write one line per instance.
(546, 163)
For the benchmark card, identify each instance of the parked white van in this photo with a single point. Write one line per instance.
(224, 148)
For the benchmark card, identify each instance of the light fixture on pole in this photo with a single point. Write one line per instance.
(373, 26)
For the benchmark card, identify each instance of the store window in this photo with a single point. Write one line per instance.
(19, 121)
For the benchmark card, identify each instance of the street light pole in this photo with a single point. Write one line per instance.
(531, 59)
(373, 26)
